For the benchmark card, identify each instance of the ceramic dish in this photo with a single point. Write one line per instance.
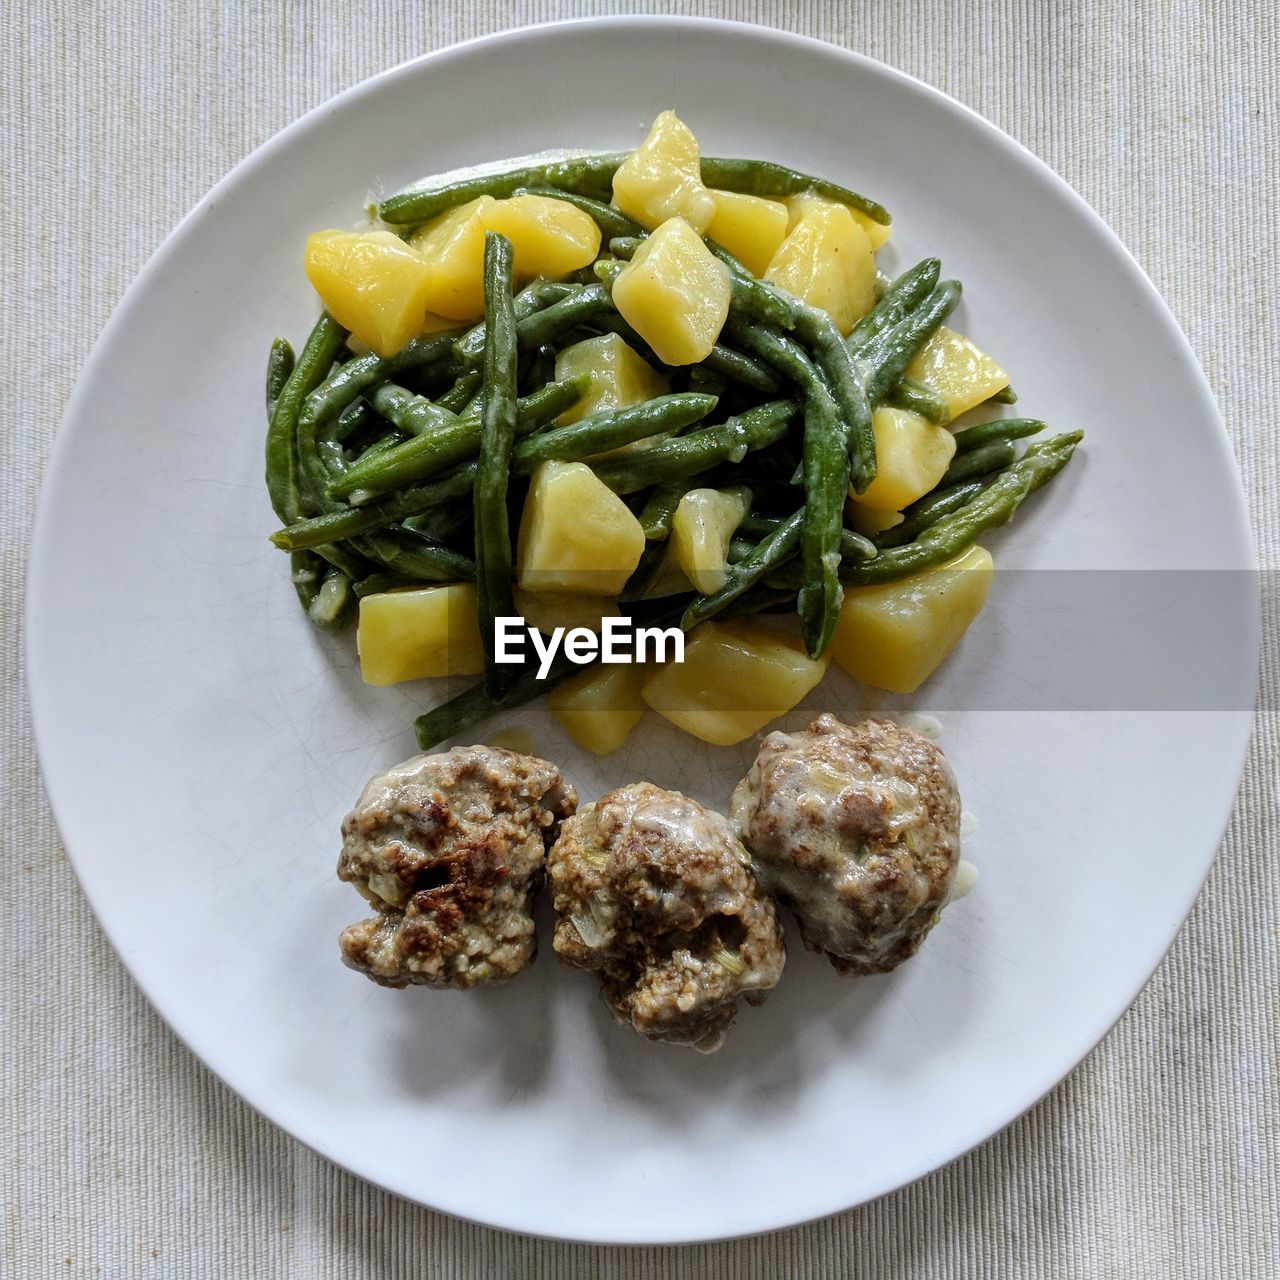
(201, 742)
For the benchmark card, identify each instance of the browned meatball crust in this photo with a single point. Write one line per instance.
(656, 894)
(855, 828)
(451, 848)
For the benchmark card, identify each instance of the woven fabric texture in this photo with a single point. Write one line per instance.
(123, 1156)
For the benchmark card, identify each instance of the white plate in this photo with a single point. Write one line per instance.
(201, 743)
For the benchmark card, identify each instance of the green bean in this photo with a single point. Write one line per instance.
(826, 470)
(588, 175)
(675, 459)
(611, 221)
(329, 608)
(550, 325)
(356, 376)
(741, 368)
(350, 522)
(423, 456)
(904, 295)
(764, 178)
(818, 331)
(320, 456)
(981, 461)
(928, 511)
(533, 297)
(958, 531)
(413, 414)
(459, 396)
(610, 430)
(308, 373)
(853, 546)
(279, 367)
(377, 583)
(778, 546)
(538, 369)
(658, 512)
(414, 556)
(918, 398)
(889, 354)
(357, 416)
(495, 597)
(467, 709)
(1006, 395)
(983, 433)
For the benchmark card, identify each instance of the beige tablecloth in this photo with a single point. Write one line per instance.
(122, 1156)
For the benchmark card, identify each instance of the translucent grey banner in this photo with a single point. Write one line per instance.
(1046, 640)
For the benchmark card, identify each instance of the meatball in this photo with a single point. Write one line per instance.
(451, 848)
(656, 894)
(856, 828)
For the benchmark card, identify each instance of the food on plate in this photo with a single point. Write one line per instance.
(658, 385)
(653, 892)
(450, 849)
(856, 829)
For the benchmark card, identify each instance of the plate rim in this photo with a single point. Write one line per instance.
(39, 548)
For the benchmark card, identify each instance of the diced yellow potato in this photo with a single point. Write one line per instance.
(750, 227)
(550, 237)
(548, 610)
(662, 178)
(372, 283)
(734, 679)
(826, 260)
(894, 635)
(601, 706)
(428, 631)
(868, 522)
(453, 245)
(701, 529)
(675, 294)
(911, 456)
(799, 205)
(618, 376)
(960, 373)
(576, 534)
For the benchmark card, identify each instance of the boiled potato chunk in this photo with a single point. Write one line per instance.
(662, 178)
(894, 635)
(546, 611)
(372, 283)
(799, 205)
(958, 371)
(409, 635)
(601, 706)
(867, 521)
(674, 294)
(701, 529)
(750, 227)
(619, 377)
(911, 456)
(550, 237)
(734, 679)
(826, 261)
(453, 245)
(576, 534)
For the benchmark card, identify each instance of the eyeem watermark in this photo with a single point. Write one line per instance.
(619, 640)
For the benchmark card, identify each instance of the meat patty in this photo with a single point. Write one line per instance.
(855, 828)
(656, 894)
(451, 848)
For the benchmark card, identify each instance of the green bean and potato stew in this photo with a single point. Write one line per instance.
(658, 386)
